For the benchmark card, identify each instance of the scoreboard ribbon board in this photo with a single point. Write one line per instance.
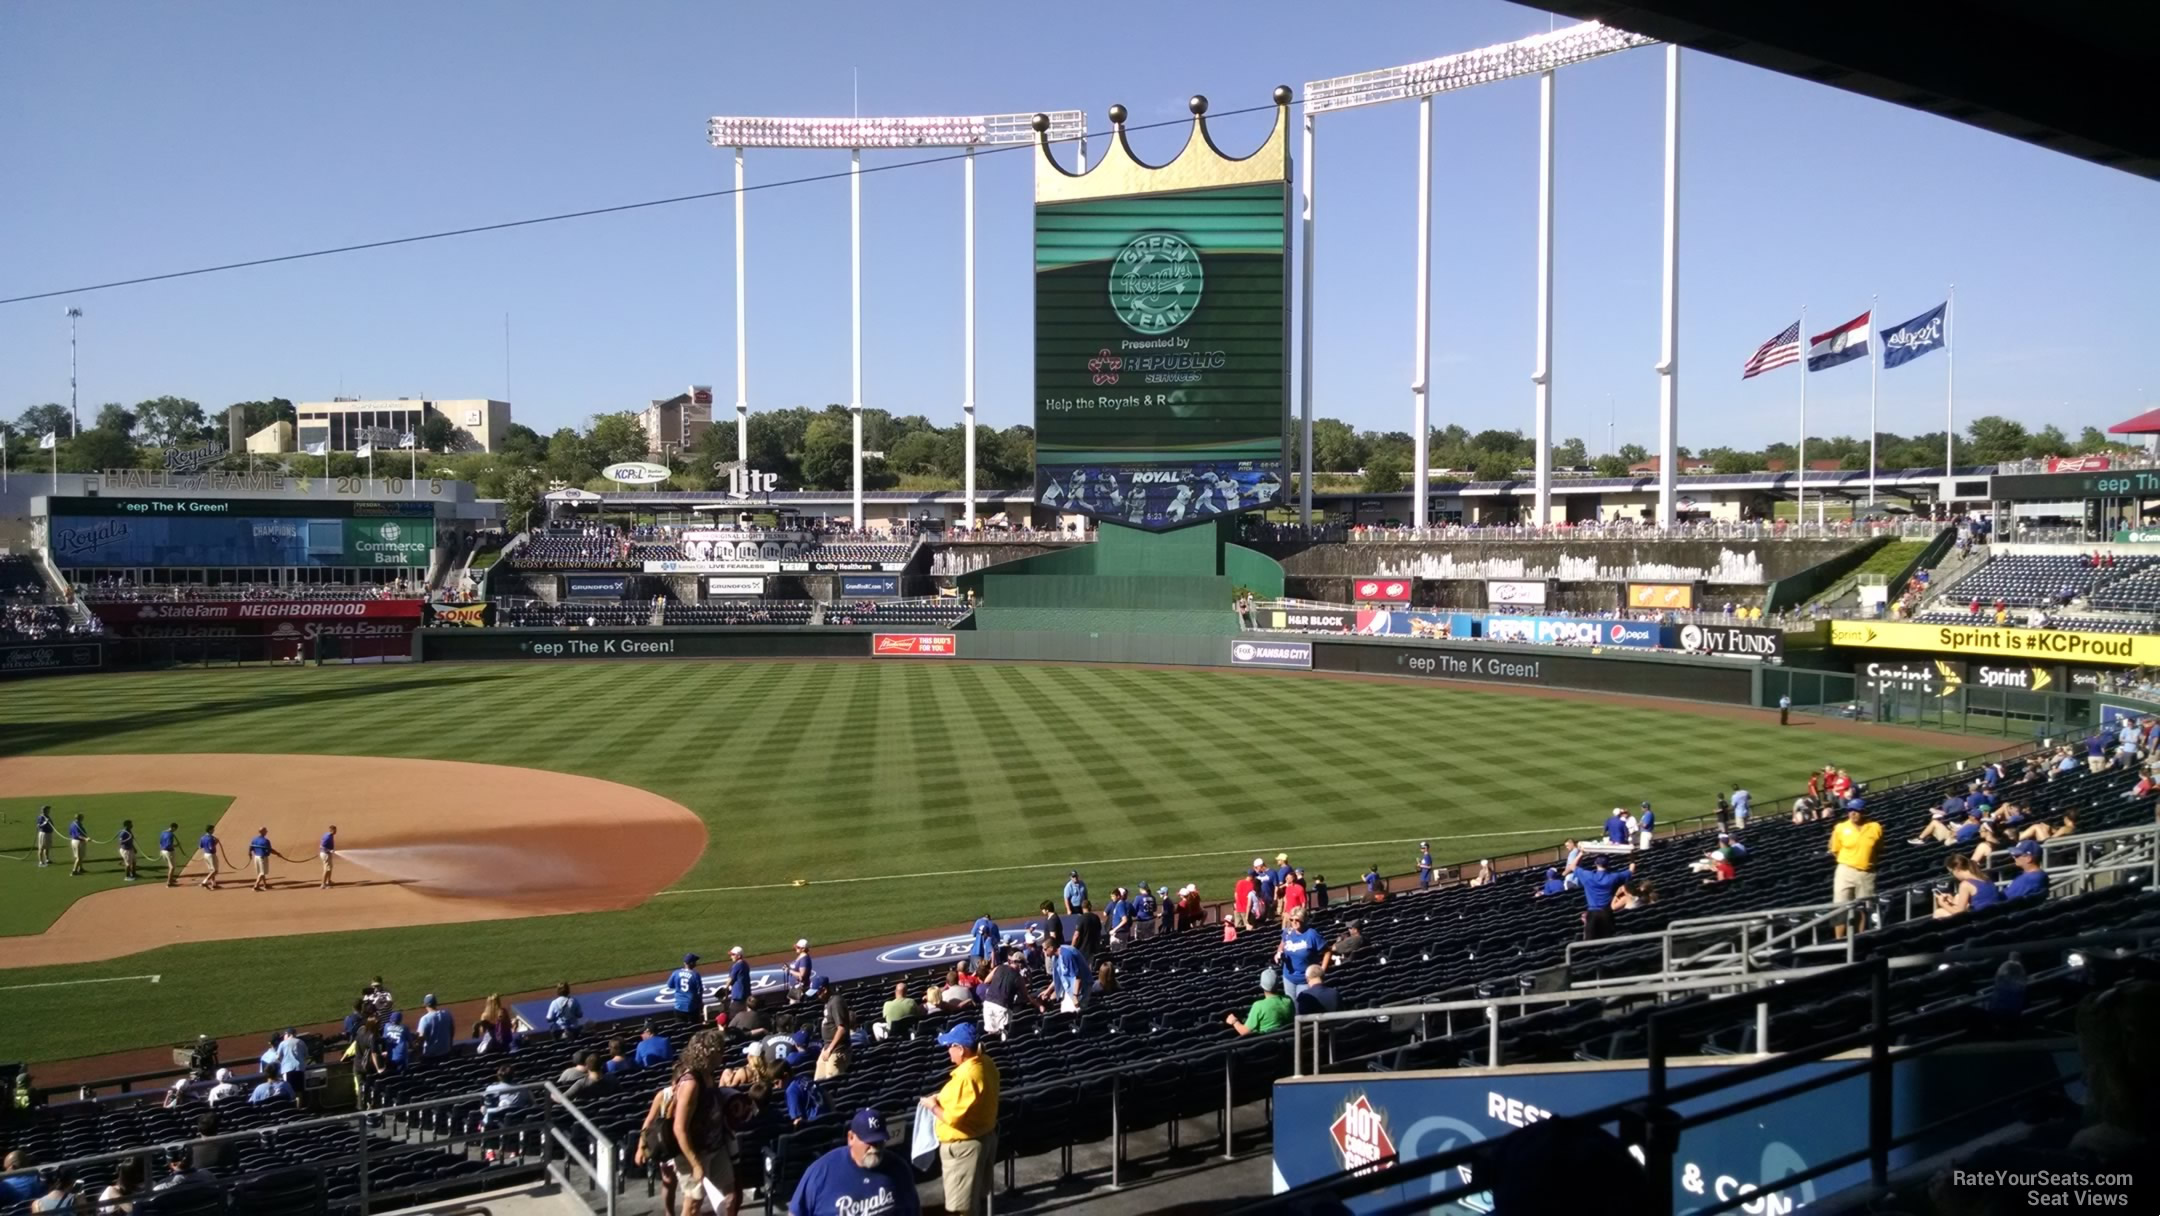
(2122, 649)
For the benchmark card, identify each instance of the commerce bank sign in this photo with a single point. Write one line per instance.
(2070, 645)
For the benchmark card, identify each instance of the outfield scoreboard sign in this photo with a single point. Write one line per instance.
(2063, 487)
(1161, 334)
(2069, 645)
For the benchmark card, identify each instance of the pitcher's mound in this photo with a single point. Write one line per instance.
(420, 842)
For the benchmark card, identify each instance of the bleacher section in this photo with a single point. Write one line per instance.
(1160, 1036)
(741, 612)
(538, 614)
(2042, 581)
(938, 612)
(27, 613)
(573, 547)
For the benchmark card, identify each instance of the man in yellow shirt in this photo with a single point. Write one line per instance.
(1853, 844)
(966, 1115)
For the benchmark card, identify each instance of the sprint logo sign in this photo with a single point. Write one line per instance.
(2018, 679)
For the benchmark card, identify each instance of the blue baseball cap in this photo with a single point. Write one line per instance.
(964, 1034)
(2026, 848)
(868, 1126)
(689, 960)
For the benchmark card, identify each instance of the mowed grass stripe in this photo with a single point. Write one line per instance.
(866, 771)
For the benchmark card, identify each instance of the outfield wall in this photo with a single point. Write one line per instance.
(1650, 675)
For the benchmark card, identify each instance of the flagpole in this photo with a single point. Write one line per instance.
(1800, 453)
(1949, 393)
(1873, 362)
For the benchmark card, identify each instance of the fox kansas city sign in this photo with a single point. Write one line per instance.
(1271, 654)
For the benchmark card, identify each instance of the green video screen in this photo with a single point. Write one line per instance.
(1161, 375)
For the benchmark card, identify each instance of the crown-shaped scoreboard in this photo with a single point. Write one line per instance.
(1162, 328)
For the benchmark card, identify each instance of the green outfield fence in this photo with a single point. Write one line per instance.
(2002, 712)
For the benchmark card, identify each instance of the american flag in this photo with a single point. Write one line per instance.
(1777, 352)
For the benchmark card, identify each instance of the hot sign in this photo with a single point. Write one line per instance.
(1361, 1136)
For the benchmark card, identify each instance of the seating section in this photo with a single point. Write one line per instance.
(2138, 591)
(27, 613)
(2080, 622)
(122, 591)
(1160, 1035)
(939, 612)
(539, 614)
(567, 546)
(742, 612)
(573, 547)
(2041, 581)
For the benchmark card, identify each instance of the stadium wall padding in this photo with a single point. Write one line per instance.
(1665, 675)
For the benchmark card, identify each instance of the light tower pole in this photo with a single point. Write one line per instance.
(74, 413)
(854, 135)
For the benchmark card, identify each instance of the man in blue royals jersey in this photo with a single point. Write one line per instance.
(44, 835)
(686, 989)
(984, 938)
(78, 842)
(326, 852)
(126, 841)
(859, 1178)
(738, 980)
(168, 843)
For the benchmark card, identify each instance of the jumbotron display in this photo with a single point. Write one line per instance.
(1161, 331)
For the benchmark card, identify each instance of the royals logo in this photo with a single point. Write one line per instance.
(1155, 283)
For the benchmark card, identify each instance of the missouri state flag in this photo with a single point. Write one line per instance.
(1841, 345)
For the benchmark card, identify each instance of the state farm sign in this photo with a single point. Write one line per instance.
(258, 610)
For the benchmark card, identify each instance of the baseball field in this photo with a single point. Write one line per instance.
(504, 827)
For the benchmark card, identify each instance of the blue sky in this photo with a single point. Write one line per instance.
(142, 138)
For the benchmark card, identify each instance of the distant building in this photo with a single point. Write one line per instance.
(676, 424)
(272, 439)
(1688, 464)
(345, 423)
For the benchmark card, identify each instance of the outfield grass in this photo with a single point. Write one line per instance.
(30, 901)
(906, 796)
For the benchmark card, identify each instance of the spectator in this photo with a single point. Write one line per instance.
(292, 1060)
(984, 938)
(1001, 991)
(1375, 886)
(271, 1089)
(1190, 912)
(798, 970)
(1968, 890)
(380, 1002)
(1646, 827)
(1053, 927)
(1598, 885)
(1616, 828)
(1554, 884)
(396, 1041)
(502, 1096)
(224, 1091)
(493, 1032)
(358, 1015)
(1271, 1012)
(1742, 803)
(1853, 844)
(805, 1100)
(569, 1076)
(750, 1020)
(1484, 875)
(1424, 864)
(1242, 905)
(686, 989)
(965, 1111)
(1075, 891)
(738, 980)
(704, 1142)
(901, 1009)
(1087, 930)
(593, 1080)
(1348, 945)
(1106, 978)
(858, 1178)
(652, 1048)
(1316, 996)
(1069, 975)
(838, 1020)
(59, 1195)
(564, 1014)
(438, 1030)
(1299, 949)
(17, 1187)
(1319, 892)
(618, 1058)
(2031, 881)
(1295, 897)
(833, 1058)
(1118, 918)
(118, 1198)
(209, 1154)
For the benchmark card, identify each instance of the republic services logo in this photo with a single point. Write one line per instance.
(1155, 283)
(1104, 366)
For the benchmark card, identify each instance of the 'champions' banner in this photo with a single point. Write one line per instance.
(2132, 650)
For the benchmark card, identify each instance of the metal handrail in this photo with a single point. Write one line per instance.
(602, 1168)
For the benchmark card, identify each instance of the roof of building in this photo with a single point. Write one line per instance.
(2147, 423)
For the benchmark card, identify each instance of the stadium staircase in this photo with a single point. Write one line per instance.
(1153, 1057)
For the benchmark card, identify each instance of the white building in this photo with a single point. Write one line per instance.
(346, 423)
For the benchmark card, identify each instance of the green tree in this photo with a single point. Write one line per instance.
(827, 455)
(1996, 439)
(255, 415)
(97, 448)
(1494, 466)
(2092, 440)
(521, 490)
(117, 418)
(923, 453)
(1634, 453)
(437, 434)
(1571, 453)
(1336, 446)
(568, 461)
(49, 418)
(169, 422)
(2048, 441)
(1611, 466)
(1384, 472)
(522, 444)
(613, 438)
(1732, 461)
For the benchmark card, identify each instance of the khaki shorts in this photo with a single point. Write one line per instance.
(209, 859)
(966, 1167)
(1851, 884)
(719, 1170)
(262, 866)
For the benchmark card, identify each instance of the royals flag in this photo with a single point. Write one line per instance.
(1841, 345)
(406, 440)
(318, 449)
(365, 450)
(1777, 352)
(1924, 333)
(48, 441)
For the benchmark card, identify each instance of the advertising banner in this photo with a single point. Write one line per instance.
(712, 567)
(1400, 622)
(1732, 639)
(39, 657)
(1161, 380)
(239, 508)
(1607, 672)
(595, 586)
(1380, 590)
(260, 610)
(2137, 650)
(916, 645)
(467, 616)
(1515, 593)
(1661, 595)
(1271, 654)
(1913, 675)
(388, 542)
(1324, 1126)
(1309, 620)
(1560, 631)
(2015, 677)
(735, 586)
(869, 585)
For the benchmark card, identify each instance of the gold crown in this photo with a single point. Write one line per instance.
(1200, 165)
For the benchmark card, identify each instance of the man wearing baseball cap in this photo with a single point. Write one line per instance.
(858, 1177)
(798, 972)
(966, 1114)
(2031, 881)
(686, 988)
(738, 980)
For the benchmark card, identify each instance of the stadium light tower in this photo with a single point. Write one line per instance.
(1540, 55)
(856, 134)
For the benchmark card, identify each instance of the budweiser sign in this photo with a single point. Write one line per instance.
(1381, 590)
(920, 645)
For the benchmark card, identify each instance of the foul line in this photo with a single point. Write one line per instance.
(111, 979)
(1107, 861)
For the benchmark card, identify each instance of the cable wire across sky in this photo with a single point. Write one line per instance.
(837, 175)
